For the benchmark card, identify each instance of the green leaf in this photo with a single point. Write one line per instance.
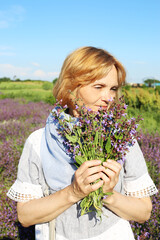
(108, 193)
(79, 159)
(72, 139)
(121, 136)
(77, 165)
(118, 136)
(108, 145)
(89, 154)
(79, 131)
(96, 139)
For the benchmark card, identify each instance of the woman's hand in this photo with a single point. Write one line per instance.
(87, 173)
(111, 175)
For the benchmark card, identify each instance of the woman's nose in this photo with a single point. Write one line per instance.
(106, 96)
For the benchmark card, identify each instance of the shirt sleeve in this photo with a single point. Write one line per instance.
(137, 181)
(28, 184)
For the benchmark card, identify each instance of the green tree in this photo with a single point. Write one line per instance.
(55, 80)
(17, 80)
(150, 82)
(5, 79)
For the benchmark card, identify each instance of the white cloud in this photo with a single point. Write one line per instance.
(45, 75)
(39, 73)
(12, 15)
(53, 74)
(35, 64)
(9, 70)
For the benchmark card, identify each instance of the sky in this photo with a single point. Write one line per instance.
(37, 35)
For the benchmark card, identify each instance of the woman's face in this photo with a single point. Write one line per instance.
(101, 92)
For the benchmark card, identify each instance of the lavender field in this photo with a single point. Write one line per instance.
(17, 120)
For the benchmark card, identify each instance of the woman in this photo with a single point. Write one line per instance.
(94, 76)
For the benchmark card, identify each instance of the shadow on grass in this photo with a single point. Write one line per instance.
(26, 233)
(23, 233)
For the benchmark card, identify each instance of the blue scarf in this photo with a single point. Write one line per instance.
(58, 166)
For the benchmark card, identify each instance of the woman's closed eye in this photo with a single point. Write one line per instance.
(114, 89)
(98, 86)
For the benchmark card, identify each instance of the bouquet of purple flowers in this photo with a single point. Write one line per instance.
(106, 134)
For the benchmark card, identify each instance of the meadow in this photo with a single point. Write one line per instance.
(34, 91)
(24, 107)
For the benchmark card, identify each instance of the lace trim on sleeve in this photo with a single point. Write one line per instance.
(141, 187)
(23, 191)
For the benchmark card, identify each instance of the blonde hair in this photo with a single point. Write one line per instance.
(83, 66)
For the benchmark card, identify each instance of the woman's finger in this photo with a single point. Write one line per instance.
(111, 174)
(113, 162)
(95, 186)
(86, 165)
(112, 165)
(105, 178)
(92, 178)
(91, 171)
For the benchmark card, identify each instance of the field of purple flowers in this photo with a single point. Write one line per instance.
(17, 120)
(150, 145)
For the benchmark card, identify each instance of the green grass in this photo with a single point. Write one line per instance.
(32, 94)
(30, 91)
(151, 119)
(20, 85)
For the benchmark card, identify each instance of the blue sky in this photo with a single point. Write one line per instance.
(37, 35)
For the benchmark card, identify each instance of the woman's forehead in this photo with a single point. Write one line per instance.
(110, 78)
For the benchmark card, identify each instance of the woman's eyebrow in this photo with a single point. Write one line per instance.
(105, 85)
(100, 84)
